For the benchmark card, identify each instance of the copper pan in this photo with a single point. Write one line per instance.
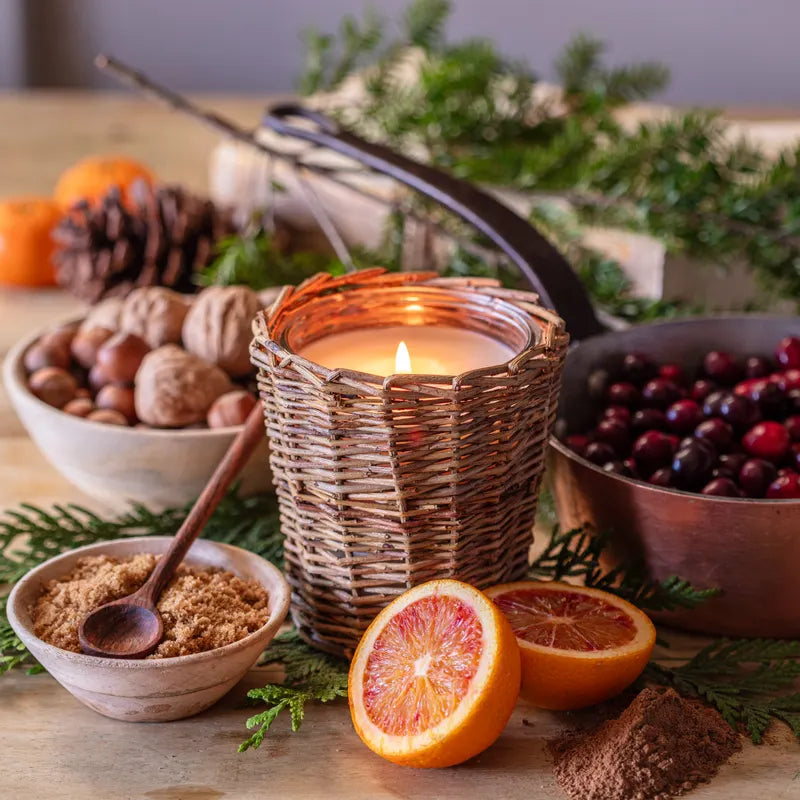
(750, 549)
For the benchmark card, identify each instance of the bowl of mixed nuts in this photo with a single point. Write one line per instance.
(138, 401)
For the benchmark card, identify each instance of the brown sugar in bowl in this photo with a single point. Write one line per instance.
(152, 690)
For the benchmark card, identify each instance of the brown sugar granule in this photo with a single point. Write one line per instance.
(202, 608)
(661, 745)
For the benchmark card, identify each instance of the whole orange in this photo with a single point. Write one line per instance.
(26, 244)
(91, 178)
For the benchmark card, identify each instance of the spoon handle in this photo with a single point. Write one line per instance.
(236, 456)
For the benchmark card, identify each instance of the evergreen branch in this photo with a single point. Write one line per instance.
(423, 23)
(577, 554)
(310, 675)
(751, 682)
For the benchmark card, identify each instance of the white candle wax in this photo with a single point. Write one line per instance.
(433, 350)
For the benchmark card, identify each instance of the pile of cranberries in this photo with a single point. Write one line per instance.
(732, 432)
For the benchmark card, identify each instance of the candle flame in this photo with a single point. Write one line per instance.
(402, 360)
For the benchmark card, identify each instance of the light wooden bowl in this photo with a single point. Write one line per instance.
(116, 465)
(152, 690)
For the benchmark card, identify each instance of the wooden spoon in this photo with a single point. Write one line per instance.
(131, 627)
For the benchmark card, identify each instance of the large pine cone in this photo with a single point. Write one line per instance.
(109, 250)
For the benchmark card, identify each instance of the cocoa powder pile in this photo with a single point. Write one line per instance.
(202, 609)
(661, 745)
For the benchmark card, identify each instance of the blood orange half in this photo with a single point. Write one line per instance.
(435, 677)
(579, 646)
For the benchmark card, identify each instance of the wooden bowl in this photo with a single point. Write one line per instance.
(117, 465)
(152, 690)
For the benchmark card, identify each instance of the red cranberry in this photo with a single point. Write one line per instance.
(615, 433)
(691, 466)
(784, 471)
(766, 394)
(702, 389)
(789, 380)
(724, 472)
(638, 368)
(793, 426)
(623, 394)
(756, 475)
(721, 487)
(721, 367)
(733, 461)
(705, 444)
(757, 367)
(617, 468)
(787, 352)
(621, 413)
(713, 403)
(660, 392)
(786, 487)
(661, 477)
(768, 440)
(718, 432)
(741, 412)
(630, 465)
(684, 415)
(672, 372)
(599, 452)
(652, 450)
(577, 442)
(648, 419)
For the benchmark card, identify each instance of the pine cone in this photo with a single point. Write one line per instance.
(109, 250)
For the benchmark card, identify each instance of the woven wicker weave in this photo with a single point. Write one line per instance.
(386, 483)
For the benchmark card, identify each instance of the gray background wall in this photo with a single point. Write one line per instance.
(719, 51)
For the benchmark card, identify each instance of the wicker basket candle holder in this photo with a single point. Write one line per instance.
(386, 481)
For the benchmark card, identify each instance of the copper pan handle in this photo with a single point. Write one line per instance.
(542, 265)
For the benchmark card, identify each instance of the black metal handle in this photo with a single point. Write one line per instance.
(542, 265)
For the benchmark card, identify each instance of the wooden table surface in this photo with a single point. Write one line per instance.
(53, 746)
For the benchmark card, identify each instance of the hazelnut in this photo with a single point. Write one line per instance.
(98, 378)
(121, 355)
(108, 416)
(62, 335)
(104, 314)
(87, 342)
(79, 407)
(117, 398)
(83, 392)
(232, 408)
(155, 314)
(175, 388)
(46, 354)
(53, 385)
(218, 327)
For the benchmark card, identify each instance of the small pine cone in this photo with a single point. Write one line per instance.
(108, 249)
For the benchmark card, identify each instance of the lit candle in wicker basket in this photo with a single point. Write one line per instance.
(386, 482)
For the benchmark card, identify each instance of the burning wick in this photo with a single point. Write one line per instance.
(402, 360)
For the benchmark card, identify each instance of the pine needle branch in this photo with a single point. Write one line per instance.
(424, 22)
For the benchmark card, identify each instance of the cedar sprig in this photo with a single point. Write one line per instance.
(310, 675)
(577, 554)
(751, 682)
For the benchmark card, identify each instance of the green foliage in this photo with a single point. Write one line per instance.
(30, 535)
(581, 72)
(309, 675)
(749, 681)
(577, 554)
(254, 259)
(678, 179)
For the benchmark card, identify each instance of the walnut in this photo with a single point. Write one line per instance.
(174, 388)
(154, 313)
(217, 327)
(104, 315)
